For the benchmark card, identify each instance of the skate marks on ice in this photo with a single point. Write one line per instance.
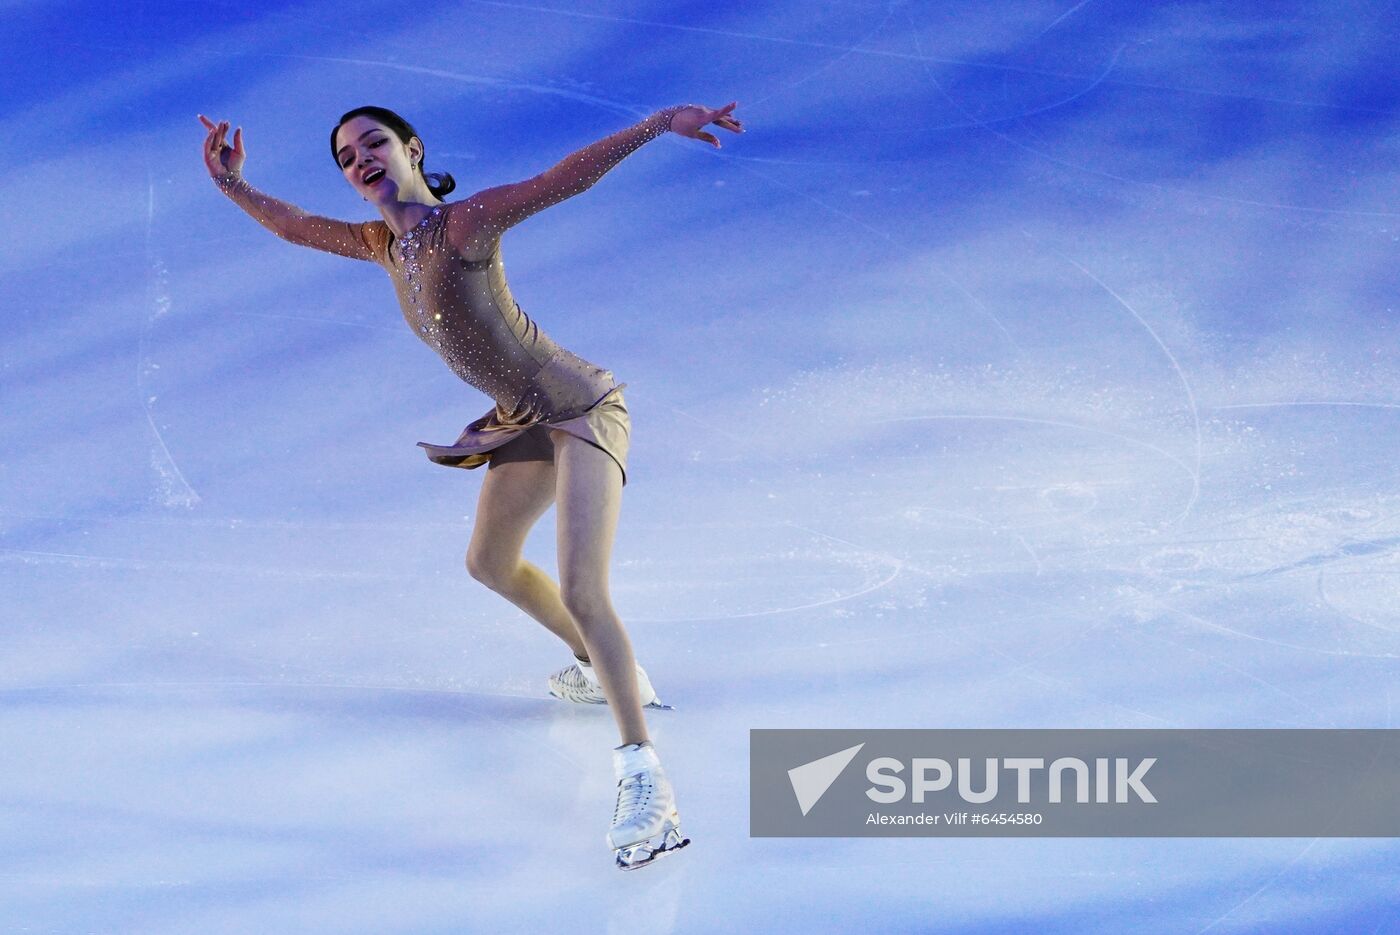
(1272, 879)
(1167, 189)
(172, 487)
(1020, 508)
(1064, 16)
(758, 585)
(297, 789)
(1004, 64)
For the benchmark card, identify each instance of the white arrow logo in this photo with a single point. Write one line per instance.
(811, 780)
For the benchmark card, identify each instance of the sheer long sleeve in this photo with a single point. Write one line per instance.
(291, 223)
(504, 206)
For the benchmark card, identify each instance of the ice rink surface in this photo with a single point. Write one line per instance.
(1024, 364)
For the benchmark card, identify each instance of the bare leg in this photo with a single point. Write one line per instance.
(513, 497)
(589, 491)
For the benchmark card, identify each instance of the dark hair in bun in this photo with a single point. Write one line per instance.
(439, 183)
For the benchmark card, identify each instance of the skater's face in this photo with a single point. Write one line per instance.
(375, 162)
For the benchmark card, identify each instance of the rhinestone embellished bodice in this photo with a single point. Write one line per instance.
(464, 310)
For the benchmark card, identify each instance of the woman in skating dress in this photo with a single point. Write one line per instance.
(559, 430)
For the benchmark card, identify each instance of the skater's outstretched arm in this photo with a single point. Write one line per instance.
(494, 210)
(225, 165)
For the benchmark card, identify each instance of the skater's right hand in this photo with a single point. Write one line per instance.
(219, 157)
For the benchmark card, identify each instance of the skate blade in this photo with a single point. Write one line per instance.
(636, 856)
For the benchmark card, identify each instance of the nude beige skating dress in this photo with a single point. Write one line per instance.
(464, 310)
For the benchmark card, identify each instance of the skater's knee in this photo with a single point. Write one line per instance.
(585, 601)
(490, 570)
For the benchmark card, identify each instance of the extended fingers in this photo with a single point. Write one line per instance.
(722, 118)
(215, 140)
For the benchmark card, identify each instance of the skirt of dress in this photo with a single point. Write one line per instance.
(605, 424)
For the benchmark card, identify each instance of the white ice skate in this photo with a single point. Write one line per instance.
(578, 683)
(645, 824)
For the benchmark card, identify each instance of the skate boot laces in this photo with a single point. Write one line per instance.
(570, 684)
(646, 824)
(634, 794)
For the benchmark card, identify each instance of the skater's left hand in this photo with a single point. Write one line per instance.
(687, 122)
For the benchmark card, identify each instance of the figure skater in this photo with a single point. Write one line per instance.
(559, 430)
